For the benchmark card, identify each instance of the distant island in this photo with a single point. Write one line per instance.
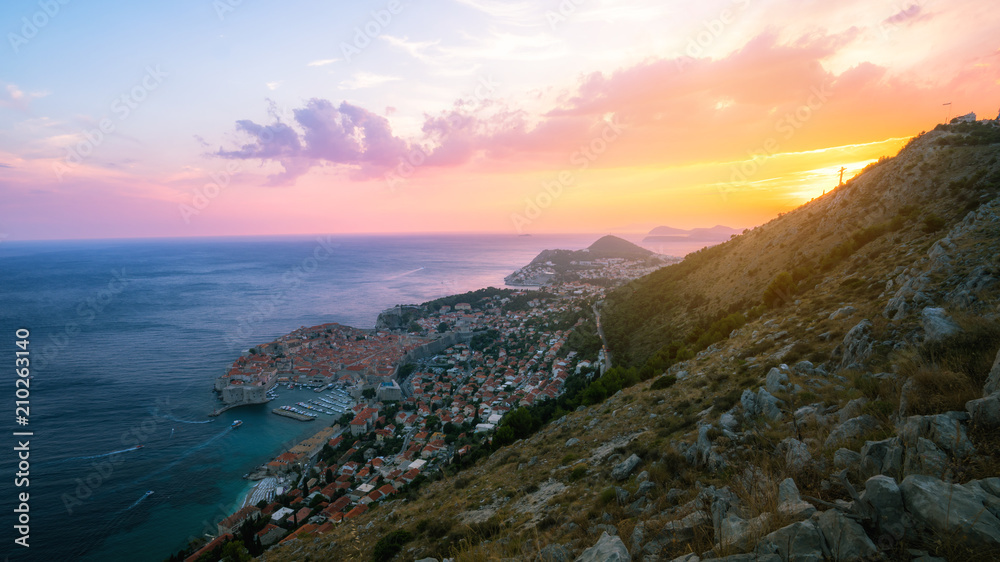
(679, 241)
(561, 266)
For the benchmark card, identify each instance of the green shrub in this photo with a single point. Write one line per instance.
(933, 223)
(607, 496)
(390, 545)
(780, 291)
(666, 381)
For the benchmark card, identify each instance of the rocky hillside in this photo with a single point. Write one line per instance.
(823, 387)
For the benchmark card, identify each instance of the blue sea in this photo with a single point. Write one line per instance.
(126, 338)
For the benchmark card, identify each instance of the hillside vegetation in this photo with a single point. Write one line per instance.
(823, 387)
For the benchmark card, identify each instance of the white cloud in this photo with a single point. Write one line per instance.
(505, 9)
(273, 85)
(366, 80)
(14, 97)
(322, 62)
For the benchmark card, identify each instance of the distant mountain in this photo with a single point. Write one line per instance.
(615, 247)
(605, 247)
(715, 234)
(562, 265)
(668, 230)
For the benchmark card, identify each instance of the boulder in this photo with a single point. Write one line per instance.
(950, 509)
(883, 495)
(728, 421)
(944, 431)
(740, 533)
(880, 457)
(572, 441)
(857, 344)
(843, 312)
(777, 379)
(798, 542)
(554, 553)
(638, 536)
(797, 455)
(989, 490)
(845, 539)
(850, 429)
(645, 488)
(607, 549)
(985, 412)
(622, 470)
(993, 379)
(763, 403)
(682, 530)
(924, 457)
(768, 405)
(804, 368)
(846, 458)
(852, 409)
(790, 503)
(749, 402)
(937, 324)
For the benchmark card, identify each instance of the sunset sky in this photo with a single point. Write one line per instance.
(229, 117)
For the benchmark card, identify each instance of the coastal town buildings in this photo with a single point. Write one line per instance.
(498, 354)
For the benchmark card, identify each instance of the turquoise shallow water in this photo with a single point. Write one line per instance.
(126, 338)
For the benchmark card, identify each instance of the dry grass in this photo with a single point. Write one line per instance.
(937, 391)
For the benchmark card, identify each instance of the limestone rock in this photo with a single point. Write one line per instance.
(950, 509)
(638, 535)
(572, 441)
(944, 431)
(993, 380)
(850, 429)
(762, 403)
(554, 553)
(881, 457)
(777, 379)
(846, 458)
(622, 470)
(985, 412)
(607, 549)
(852, 409)
(937, 324)
(740, 533)
(790, 503)
(845, 539)
(857, 344)
(924, 457)
(798, 542)
(768, 405)
(843, 312)
(883, 495)
(797, 455)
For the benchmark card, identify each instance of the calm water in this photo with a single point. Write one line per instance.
(126, 339)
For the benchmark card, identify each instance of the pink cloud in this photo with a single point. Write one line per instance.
(907, 16)
(672, 111)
